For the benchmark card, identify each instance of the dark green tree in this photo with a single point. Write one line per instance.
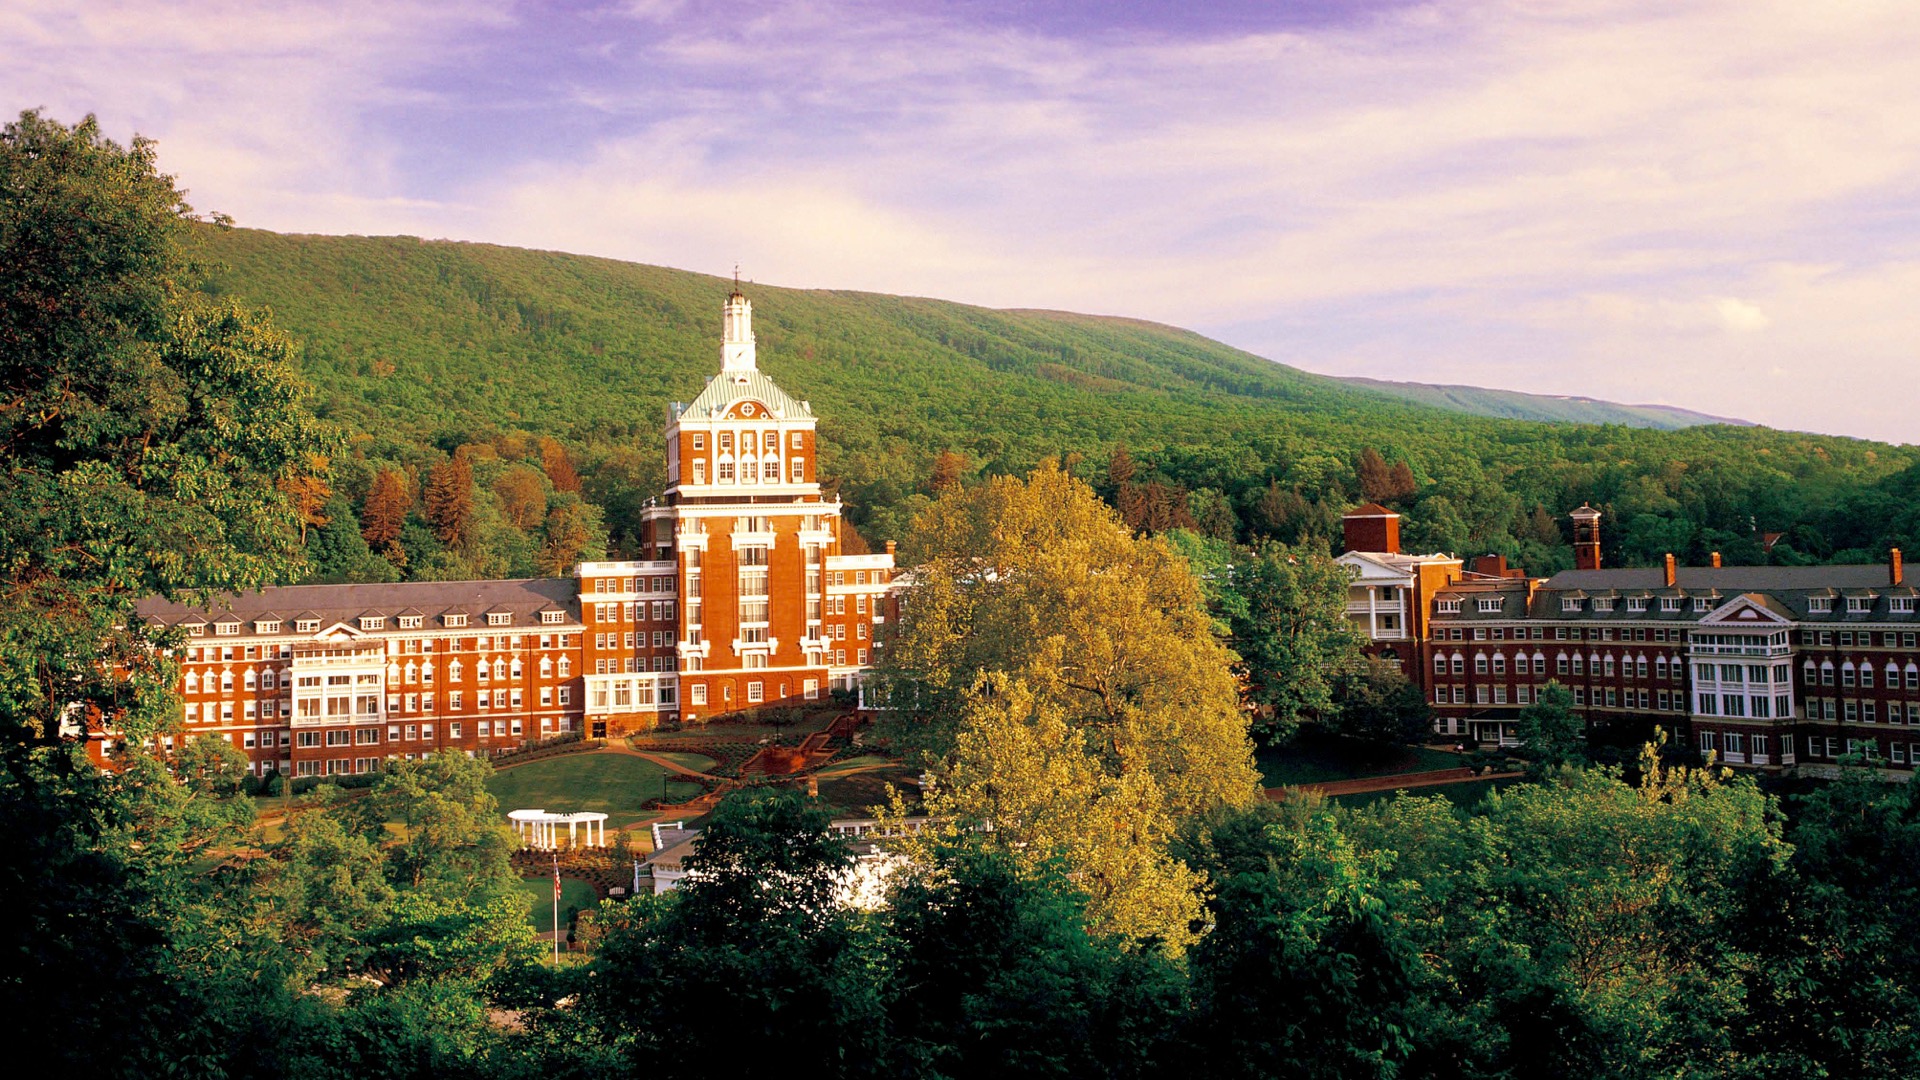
(1551, 733)
(336, 551)
(143, 426)
(1375, 703)
(753, 958)
(997, 973)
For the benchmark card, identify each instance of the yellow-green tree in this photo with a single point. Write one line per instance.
(1061, 677)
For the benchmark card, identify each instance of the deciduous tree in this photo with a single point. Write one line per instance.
(1112, 695)
(558, 466)
(948, 467)
(388, 502)
(449, 500)
(523, 496)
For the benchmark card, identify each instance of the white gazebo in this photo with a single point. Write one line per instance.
(541, 830)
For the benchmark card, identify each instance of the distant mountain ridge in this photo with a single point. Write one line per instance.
(1552, 408)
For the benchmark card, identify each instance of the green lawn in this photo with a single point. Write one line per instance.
(1466, 794)
(611, 783)
(1314, 759)
(687, 759)
(574, 893)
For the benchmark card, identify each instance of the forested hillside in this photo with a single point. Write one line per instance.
(1512, 404)
(544, 365)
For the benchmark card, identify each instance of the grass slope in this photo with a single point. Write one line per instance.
(610, 783)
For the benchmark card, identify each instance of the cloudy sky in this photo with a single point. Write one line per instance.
(1713, 205)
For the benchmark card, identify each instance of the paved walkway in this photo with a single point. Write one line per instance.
(1365, 784)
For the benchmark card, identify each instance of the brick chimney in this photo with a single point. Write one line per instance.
(1896, 569)
(1491, 565)
(1673, 575)
(890, 546)
(1714, 558)
(1371, 527)
(1586, 538)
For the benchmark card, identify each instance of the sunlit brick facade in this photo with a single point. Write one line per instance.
(1767, 667)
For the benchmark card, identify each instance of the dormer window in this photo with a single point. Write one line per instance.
(227, 628)
(1820, 605)
(1491, 603)
(499, 618)
(552, 616)
(267, 626)
(1901, 605)
(1703, 603)
(453, 620)
(1859, 604)
(1569, 603)
(1669, 603)
(410, 622)
(373, 622)
(1449, 607)
(1603, 603)
(1636, 603)
(197, 630)
(306, 626)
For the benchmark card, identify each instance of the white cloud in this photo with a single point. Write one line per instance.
(1740, 316)
(1630, 199)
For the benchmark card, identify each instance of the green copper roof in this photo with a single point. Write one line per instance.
(724, 390)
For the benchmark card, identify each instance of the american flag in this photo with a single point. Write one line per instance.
(556, 877)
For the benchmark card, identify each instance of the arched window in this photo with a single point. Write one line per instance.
(1499, 664)
(546, 666)
(226, 680)
(483, 670)
(413, 672)
(1439, 665)
(453, 671)
(193, 683)
(1539, 663)
(565, 667)
(250, 681)
(515, 669)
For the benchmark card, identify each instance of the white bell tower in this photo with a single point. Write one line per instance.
(736, 339)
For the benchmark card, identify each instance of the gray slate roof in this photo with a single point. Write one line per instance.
(524, 598)
(1784, 590)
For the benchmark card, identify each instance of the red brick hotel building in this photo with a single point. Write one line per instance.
(743, 600)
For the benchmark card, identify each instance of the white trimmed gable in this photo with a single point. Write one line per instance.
(1747, 609)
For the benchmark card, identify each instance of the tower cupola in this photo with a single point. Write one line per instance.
(736, 339)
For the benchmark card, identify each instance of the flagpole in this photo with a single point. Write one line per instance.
(556, 909)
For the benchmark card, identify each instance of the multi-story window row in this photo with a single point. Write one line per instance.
(1763, 666)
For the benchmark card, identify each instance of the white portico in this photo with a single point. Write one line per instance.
(540, 830)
